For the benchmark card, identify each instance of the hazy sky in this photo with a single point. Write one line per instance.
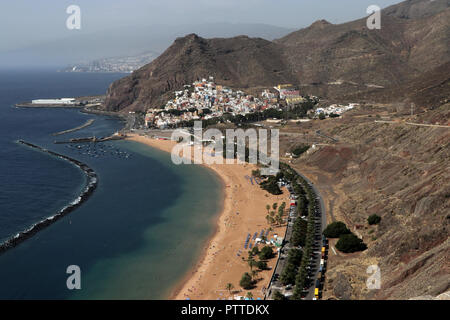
(28, 22)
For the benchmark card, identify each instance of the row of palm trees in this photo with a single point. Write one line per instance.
(302, 280)
(306, 206)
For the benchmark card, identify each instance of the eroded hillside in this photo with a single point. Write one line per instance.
(400, 172)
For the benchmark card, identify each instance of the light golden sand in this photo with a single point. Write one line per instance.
(219, 263)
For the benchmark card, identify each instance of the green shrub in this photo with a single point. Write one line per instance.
(374, 219)
(336, 229)
(271, 186)
(261, 265)
(266, 253)
(299, 150)
(278, 296)
(302, 205)
(246, 281)
(295, 257)
(299, 231)
(349, 243)
(288, 275)
(256, 173)
(255, 251)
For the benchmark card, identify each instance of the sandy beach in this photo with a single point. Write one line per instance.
(244, 212)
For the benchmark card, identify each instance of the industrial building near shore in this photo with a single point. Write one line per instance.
(62, 101)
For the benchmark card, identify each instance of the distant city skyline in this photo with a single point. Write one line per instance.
(25, 23)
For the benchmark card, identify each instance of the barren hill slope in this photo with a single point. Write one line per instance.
(413, 9)
(325, 55)
(401, 173)
(429, 90)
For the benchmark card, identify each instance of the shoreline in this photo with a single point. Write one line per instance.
(243, 212)
(88, 190)
(176, 290)
(203, 255)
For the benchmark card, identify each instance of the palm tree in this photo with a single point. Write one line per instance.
(251, 262)
(274, 206)
(279, 219)
(272, 220)
(254, 274)
(281, 209)
(229, 287)
(249, 295)
(268, 208)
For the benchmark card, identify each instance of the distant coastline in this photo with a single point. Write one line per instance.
(91, 185)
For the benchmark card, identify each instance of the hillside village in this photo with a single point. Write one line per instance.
(204, 99)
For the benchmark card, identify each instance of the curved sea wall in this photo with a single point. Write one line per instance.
(85, 125)
(91, 185)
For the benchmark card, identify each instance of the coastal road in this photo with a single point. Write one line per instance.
(275, 284)
(323, 224)
(321, 202)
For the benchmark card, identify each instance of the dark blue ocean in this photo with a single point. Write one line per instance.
(139, 233)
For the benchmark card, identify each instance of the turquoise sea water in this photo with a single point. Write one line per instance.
(135, 238)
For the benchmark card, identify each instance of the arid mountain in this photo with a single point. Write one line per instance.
(325, 59)
(239, 62)
(414, 9)
(325, 56)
